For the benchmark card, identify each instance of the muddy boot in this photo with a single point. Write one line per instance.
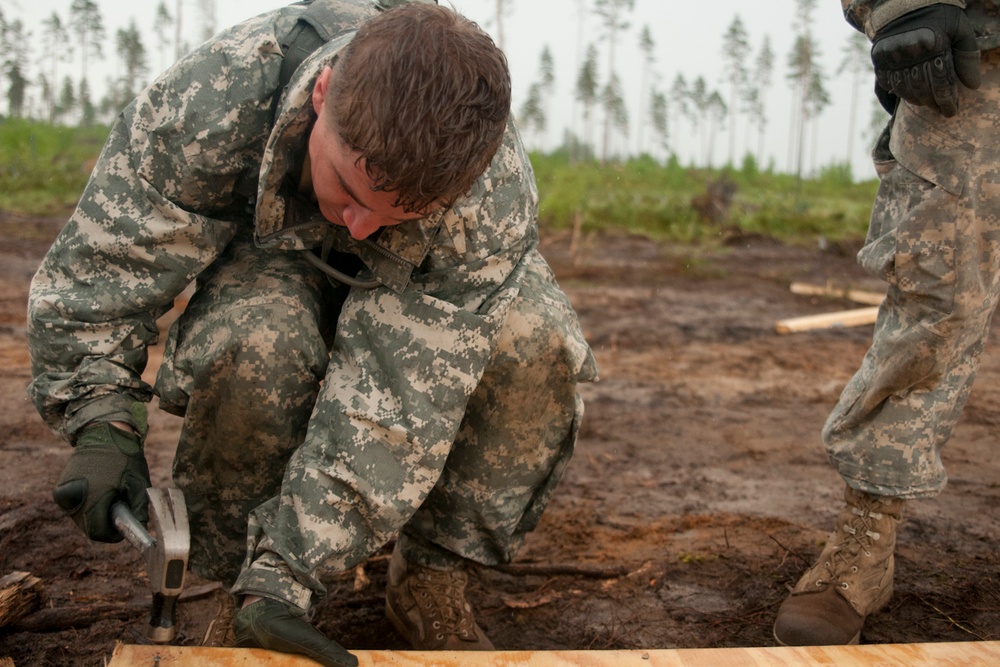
(428, 608)
(852, 579)
(220, 630)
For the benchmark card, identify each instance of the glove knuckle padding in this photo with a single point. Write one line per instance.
(923, 55)
(107, 464)
(902, 50)
(69, 495)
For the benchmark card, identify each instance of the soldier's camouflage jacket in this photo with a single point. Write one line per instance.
(200, 155)
(869, 16)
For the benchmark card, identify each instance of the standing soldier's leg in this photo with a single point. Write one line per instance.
(935, 237)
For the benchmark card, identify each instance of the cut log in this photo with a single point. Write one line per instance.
(569, 570)
(55, 619)
(841, 318)
(869, 655)
(21, 593)
(857, 296)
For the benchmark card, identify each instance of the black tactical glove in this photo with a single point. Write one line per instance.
(107, 465)
(923, 56)
(278, 626)
(886, 99)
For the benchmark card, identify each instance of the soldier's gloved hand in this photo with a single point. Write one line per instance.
(107, 465)
(922, 57)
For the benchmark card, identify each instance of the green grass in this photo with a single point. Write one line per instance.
(44, 168)
(646, 197)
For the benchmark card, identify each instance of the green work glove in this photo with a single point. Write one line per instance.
(107, 465)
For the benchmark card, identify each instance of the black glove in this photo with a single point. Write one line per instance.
(886, 99)
(107, 465)
(923, 56)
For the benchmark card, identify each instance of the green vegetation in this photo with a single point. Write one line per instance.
(646, 197)
(43, 169)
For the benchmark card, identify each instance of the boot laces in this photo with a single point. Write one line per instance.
(441, 596)
(856, 537)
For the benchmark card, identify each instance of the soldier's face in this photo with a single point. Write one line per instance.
(340, 182)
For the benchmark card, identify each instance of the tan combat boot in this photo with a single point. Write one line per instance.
(428, 607)
(220, 630)
(852, 579)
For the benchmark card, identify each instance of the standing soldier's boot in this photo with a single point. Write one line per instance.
(428, 608)
(852, 579)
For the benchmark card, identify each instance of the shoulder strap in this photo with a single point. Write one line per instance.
(312, 31)
(298, 44)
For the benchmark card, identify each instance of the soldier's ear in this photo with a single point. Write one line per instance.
(319, 90)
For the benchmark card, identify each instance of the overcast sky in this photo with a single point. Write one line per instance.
(688, 39)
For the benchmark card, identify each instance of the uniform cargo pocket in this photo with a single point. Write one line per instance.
(912, 237)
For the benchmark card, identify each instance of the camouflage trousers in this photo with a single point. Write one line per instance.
(245, 365)
(934, 236)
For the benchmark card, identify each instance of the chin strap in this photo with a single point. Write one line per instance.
(323, 265)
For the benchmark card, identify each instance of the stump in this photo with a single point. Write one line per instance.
(20, 594)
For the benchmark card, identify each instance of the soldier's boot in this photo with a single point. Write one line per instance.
(428, 608)
(852, 579)
(220, 631)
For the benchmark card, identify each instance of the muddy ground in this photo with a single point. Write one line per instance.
(698, 494)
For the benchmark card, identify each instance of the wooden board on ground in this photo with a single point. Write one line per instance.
(841, 318)
(855, 295)
(884, 655)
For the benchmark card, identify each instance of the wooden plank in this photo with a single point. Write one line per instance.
(857, 296)
(869, 655)
(841, 318)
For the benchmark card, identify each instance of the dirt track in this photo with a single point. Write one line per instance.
(698, 493)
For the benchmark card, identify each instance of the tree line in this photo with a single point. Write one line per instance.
(46, 75)
(695, 108)
(35, 64)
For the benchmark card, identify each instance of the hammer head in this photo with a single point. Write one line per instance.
(166, 561)
(166, 555)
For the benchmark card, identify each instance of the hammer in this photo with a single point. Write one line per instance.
(166, 556)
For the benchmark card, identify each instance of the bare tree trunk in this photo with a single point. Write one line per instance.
(794, 119)
(853, 116)
(500, 8)
(177, 32)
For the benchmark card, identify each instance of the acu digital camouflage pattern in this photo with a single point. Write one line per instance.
(870, 16)
(443, 400)
(935, 237)
(166, 197)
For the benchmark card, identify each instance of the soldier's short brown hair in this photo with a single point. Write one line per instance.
(423, 94)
